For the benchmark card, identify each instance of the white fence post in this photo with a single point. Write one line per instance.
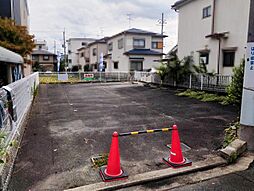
(202, 81)
(190, 81)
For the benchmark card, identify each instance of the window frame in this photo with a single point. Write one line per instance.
(114, 65)
(206, 55)
(45, 57)
(207, 12)
(94, 52)
(110, 46)
(120, 43)
(135, 62)
(231, 58)
(139, 39)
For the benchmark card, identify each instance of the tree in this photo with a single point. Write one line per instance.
(15, 37)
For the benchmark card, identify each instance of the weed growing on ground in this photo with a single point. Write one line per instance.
(204, 96)
(231, 133)
(101, 160)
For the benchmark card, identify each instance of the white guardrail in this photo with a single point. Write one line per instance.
(22, 93)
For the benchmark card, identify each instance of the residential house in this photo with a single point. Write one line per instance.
(73, 45)
(44, 60)
(40, 44)
(10, 66)
(84, 58)
(90, 56)
(214, 32)
(134, 49)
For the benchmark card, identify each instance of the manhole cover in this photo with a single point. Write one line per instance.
(183, 146)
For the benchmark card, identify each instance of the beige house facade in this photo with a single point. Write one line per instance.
(134, 50)
(214, 32)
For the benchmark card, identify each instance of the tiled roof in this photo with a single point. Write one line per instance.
(42, 52)
(139, 31)
(143, 52)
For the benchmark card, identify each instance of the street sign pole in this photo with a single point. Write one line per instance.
(247, 110)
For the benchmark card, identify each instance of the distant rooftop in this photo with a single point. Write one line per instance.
(143, 52)
(82, 38)
(139, 31)
(42, 52)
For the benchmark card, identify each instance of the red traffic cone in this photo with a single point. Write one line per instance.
(113, 170)
(176, 159)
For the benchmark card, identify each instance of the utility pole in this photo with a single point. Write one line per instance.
(162, 22)
(64, 46)
(247, 111)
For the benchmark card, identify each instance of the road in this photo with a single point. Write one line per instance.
(70, 123)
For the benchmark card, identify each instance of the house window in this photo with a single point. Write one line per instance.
(228, 58)
(120, 43)
(139, 43)
(207, 11)
(157, 45)
(94, 52)
(105, 65)
(45, 57)
(69, 51)
(95, 67)
(110, 46)
(82, 54)
(83, 43)
(33, 57)
(136, 66)
(116, 65)
(204, 58)
(70, 61)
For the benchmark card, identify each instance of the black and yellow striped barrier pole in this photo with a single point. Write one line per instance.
(145, 131)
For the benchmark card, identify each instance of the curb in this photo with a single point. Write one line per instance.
(212, 161)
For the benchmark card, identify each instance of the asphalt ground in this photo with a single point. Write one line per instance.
(70, 123)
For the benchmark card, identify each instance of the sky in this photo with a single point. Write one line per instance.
(99, 18)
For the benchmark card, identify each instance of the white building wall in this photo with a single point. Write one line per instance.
(192, 29)
(73, 45)
(230, 16)
(233, 16)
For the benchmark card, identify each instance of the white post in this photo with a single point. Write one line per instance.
(190, 81)
(247, 109)
(202, 81)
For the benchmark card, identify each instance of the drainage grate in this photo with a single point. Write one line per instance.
(183, 146)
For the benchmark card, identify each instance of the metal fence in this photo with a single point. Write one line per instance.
(53, 77)
(217, 83)
(23, 92)
(20, 97)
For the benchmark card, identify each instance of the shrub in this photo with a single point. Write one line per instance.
(235, 88)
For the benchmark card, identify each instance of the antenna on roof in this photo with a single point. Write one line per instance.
(129, 19)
